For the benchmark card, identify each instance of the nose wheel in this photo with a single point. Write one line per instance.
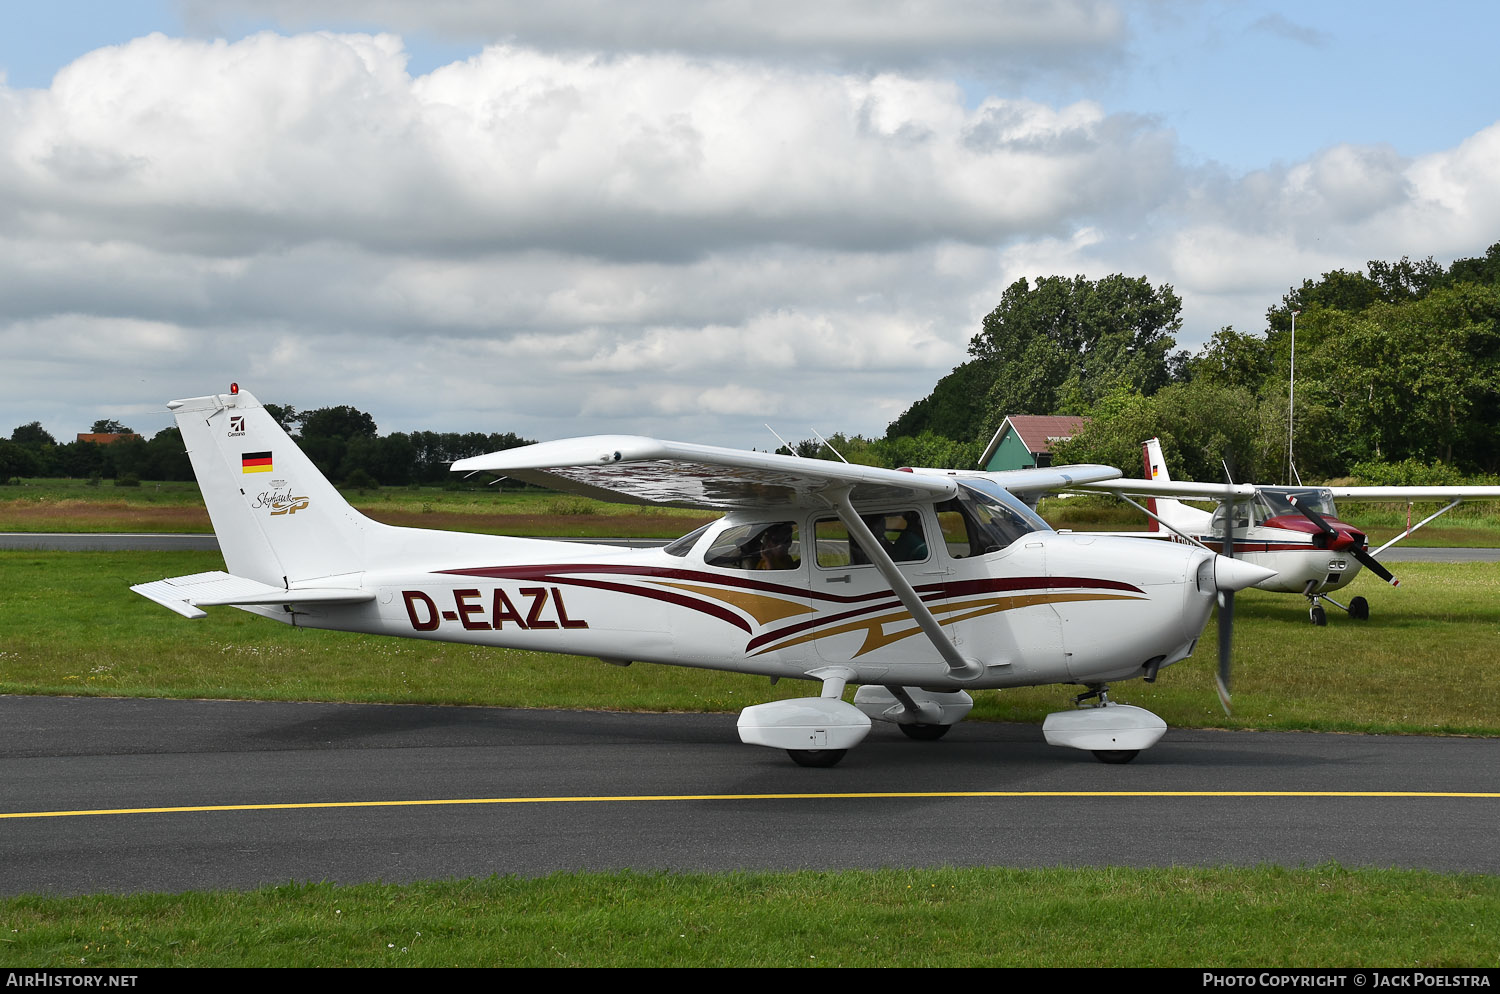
(1358, 608)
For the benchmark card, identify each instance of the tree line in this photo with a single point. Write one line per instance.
(1397, 376)
(342, 441)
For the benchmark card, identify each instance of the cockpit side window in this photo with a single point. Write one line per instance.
(763, 545)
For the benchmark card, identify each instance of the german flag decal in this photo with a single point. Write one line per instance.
(255, 462)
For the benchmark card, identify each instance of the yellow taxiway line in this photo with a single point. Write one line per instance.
(1490, 795)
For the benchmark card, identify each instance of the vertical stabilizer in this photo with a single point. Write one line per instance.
(1156, 469)
(1171, 510)
(277, 518)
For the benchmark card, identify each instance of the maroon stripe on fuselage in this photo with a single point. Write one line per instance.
(870, 602)
(559, 573)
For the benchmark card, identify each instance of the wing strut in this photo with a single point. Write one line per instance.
(959, 668)
(1400, 535)
(1185, 537)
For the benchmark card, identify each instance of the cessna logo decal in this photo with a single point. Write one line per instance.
(236, 425)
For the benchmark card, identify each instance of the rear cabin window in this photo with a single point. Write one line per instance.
(900, 532)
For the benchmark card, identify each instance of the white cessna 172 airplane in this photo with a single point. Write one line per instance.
(1295, 531)
(915, 586)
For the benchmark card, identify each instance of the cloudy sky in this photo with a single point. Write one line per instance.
(684, 217)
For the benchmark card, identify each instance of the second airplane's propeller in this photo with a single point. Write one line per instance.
(1332, 538)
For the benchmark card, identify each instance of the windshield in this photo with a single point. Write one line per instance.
(1275, 503)
(995, 517)
(682, 546)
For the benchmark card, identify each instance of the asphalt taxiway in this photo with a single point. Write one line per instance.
(126, 795)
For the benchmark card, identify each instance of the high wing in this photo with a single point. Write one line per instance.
(631, 469)
(1035, 480)
(1413, 493)
(1219, 491)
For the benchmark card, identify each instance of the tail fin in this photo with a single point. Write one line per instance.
(1156, 469)
(1170, 509)
(1156, 466)
(278, 519)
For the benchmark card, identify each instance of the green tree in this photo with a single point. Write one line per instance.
(17, 460)
(1484, 271)
(1419, 378)
(105, 426)
(32, 435)
(1064, 344)
(956, 406)
(343, 422)
(1232, 359)
(286, 416)
(1203, 427)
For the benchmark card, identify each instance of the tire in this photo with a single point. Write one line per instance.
(816, 757)
(1359, 609)
(1319, 617)
(924, 733)
(1116, 756)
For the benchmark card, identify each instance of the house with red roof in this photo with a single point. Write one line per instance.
(1024, 441)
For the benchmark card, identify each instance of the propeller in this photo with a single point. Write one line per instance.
(1226, 611)
(1329, 537)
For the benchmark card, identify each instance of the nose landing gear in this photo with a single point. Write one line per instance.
(1358, 608)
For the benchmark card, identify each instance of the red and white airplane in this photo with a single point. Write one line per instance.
(1294, 531)
(916, 587)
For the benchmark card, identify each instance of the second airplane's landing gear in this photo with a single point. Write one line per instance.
(924, 733)
(1358, 608)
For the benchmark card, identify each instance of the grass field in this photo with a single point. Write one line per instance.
(1424, 662)
(74, 506)
(1111, 917)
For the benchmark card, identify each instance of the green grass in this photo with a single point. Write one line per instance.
(73, 506)
(1422, 663)
(1265, 917)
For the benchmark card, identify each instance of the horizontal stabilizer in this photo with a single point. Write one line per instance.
(187, 594)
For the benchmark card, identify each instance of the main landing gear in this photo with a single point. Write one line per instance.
(1358, 608)
(1114, 733)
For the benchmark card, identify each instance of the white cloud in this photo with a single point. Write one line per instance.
(553, 241)
(271, 141)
